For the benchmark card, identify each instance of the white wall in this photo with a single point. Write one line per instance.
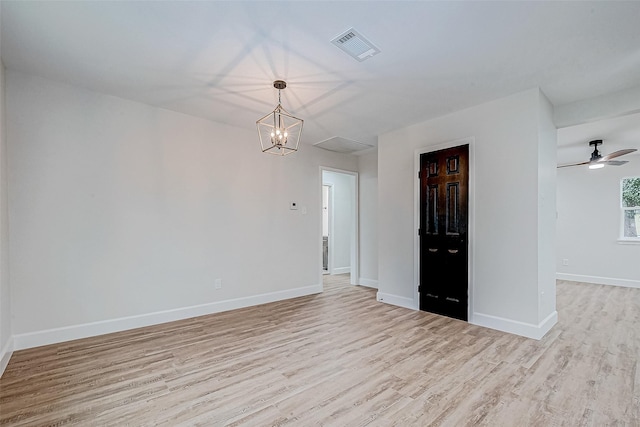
(342, 226)
(547, 182)
(511, 167)
(6, 341)
(601, 107)
(589, 225)
(368, 205)
(122, 214)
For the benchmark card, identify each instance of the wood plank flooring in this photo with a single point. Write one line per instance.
(341, 358)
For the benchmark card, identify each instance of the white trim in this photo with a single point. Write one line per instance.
(627, 283)
(528, 330)
(341, 270)
(331, 245)
(355, 238)
(369, 283)
(628, 241)
(396, 300)
(470, 141)
(51, 336)
(5, 355)
(623, 240)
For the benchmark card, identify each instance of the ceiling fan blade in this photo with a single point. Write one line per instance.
(573, 164)
(616, 154)
(616, 162)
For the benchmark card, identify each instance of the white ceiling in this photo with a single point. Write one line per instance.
(218, 60)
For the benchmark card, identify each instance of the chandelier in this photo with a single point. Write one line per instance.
(279, 131)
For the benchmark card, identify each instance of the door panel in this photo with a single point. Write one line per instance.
(444, 199)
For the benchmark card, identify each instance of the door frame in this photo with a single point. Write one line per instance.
(330, 227)
(355, 236)
(470, 141)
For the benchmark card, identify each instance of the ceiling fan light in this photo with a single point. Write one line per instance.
(596, 166)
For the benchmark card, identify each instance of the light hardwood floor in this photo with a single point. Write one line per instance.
(341, 358)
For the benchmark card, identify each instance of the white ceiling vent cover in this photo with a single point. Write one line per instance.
(355, 44)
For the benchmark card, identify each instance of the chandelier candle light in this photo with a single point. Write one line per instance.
(279, 131)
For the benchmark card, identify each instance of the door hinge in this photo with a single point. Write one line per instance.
(419, 174)
(419, 232)
(419, 289)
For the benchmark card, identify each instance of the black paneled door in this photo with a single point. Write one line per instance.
(444, 206)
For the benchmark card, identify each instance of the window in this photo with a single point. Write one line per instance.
(630, 203)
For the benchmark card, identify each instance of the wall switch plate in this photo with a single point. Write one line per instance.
(565, 262)
(293, 206)
(217, 283)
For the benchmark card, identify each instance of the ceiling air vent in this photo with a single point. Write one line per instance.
(355, 44)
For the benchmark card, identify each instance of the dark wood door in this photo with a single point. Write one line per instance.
(444, 206)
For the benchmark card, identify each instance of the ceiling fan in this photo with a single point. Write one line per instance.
(598, 160)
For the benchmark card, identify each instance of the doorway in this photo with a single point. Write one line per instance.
(444, 219)
(339, 229)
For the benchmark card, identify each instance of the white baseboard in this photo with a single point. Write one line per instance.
(341, 270)
(370, 283)
(493, 322)
(5, 355)
(52, 336)
(599, 280)
(528, 330)
(396, 300)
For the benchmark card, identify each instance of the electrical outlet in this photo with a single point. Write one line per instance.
(217, 283)
(565, 261)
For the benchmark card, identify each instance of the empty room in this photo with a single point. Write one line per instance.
(299, 213)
